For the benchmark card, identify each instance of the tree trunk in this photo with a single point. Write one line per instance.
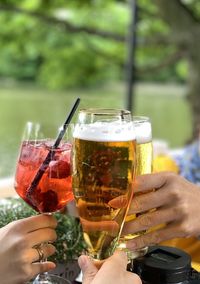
(185, 29)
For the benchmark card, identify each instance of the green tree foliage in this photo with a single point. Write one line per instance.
(83, 42)
(80, 43)
(41, 41)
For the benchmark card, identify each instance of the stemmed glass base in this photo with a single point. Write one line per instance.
(50, 279)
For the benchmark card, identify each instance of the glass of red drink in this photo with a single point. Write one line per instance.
(51, 190)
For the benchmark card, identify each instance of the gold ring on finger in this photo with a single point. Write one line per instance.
(40, 253)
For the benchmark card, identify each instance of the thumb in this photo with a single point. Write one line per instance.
(88, 268)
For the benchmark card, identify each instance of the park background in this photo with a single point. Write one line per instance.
(142, 55)
(52, 52)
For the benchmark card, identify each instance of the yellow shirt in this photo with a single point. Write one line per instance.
(189, 245)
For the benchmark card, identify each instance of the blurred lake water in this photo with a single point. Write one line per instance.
(166, 106)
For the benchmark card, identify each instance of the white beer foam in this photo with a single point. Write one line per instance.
(105, 131)
(143, 132)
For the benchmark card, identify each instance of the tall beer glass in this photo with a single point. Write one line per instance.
(103, 167)
(144, 159)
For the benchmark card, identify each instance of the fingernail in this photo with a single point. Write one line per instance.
(53, 266)
(131, 245)
(83, 261)
(118, 202)
(121, 253)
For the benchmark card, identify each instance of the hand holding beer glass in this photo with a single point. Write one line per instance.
(103, 168)
(144, 153)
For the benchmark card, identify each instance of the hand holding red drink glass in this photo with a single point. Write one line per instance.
(43, 179)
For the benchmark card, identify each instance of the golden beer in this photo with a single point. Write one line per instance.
(102, 171)
(144, 158)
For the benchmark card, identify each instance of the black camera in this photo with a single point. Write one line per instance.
(165, 265)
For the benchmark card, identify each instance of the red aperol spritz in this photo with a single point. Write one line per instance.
(54, 189)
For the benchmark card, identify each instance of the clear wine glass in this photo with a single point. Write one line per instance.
(44, 183)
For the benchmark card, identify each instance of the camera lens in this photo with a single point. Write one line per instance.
(163, 265)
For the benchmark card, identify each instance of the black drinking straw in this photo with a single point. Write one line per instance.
(51, 153)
